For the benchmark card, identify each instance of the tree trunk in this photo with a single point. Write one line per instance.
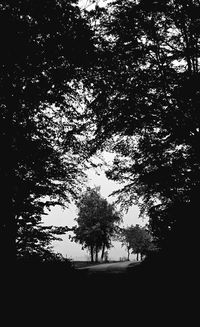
(128, 255)
(92, 253)
(137, 258)
(103, 251)
(8, 242)
(96, 255)
(8, 229)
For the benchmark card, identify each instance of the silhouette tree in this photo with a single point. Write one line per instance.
(97, 223)
(126, 239)
(34, 243)
(136, 239)
(146, 95)
(46, 49)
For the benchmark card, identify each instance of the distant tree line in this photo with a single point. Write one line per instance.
(98, 224)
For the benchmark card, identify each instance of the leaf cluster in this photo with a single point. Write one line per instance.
(97, 220)
(136, 239)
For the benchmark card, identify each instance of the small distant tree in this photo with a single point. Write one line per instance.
(125, 237)
(97, 223)
(136, 239)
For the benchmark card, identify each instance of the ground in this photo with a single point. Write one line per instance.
(113, 267)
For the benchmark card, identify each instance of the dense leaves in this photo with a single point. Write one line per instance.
(146, 94)
(34, 243)
(142, 81)
(97, 223)
(137, 240)
(44, 56)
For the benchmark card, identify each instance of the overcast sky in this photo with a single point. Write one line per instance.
(60, 217)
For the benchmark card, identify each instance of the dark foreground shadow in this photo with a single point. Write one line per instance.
(145, 290)
(149, 277)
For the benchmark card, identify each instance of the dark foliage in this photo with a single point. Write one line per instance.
(44, 55)
(146, 95)
(137, 240)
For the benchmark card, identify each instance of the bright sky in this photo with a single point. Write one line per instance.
(90, 4)
(60, 217)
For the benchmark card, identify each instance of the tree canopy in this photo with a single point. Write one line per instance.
(97, 222)
(45, 50)
(135, 64)
(136, 239)
(146, 99)
(34, 243)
